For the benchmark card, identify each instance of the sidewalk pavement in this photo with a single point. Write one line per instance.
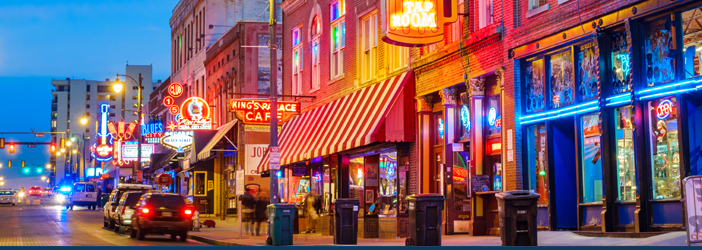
(226, 233)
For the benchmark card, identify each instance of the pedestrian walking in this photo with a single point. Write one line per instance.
(248, 201)
(311, 210)
(261, 213)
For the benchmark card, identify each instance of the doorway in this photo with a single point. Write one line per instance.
(436, 184)
(563, 160)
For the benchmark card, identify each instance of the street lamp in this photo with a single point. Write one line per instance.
(43, 178)
(75, 151)
(68, 143)
(63, 150)
(118, 87)
(58, 153)
(84, 120)
(48, 166)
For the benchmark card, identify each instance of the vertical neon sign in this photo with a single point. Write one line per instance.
(102, 151)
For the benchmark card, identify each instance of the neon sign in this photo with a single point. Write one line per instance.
(102, 148)
(130, 152)
(664, 109)
(173, 109)
(153, 131)
(492, 116)
(460, 174)
(195, 114)
(259, 111)
(168, 101)
(415, 23)
(494, 146)
(624, 59)
(441, 128)
(176, 89)
(465, 117)
(178, 140)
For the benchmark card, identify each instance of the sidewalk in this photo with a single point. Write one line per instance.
(226, 233)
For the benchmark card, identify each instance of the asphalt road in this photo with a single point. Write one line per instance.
(54, 226)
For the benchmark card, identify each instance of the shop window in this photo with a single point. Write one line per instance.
(665, 149)
(388, 185)
(535, 85)
(461, 181)
(620, 63)
(440, 128)
(626, 162)
(200, 183)
(562, 79)
(369, 46)
(494, 117)
(537, 161)
(692, 42)
(587, 66)
(356, 174)
(485, 13)
(338, 37)
(591, 163)
(659, 53)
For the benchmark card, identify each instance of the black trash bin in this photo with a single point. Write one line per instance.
(425, 219)
(346, 221)
(518, 217)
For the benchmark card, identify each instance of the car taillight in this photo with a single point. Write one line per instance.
(123, 209)
(188, 211)
(145, 210)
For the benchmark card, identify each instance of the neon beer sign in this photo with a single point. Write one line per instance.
(414, 23)
(259, 111)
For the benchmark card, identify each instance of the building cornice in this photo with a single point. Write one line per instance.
(291, 5)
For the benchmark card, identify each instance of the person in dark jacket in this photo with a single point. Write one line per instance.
(248, 201)
(261, 213)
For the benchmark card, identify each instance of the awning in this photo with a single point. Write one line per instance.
(221, 131)
(378, 113)
(164, 160)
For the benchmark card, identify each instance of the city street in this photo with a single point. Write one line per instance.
(54, 226)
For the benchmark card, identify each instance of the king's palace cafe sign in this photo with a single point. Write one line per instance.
(414, 23)
(258, 111)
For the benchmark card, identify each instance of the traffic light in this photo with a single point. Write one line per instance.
(62, 142)
(2, 143)
(23, 164)
(9, 164)
(53, 148)
(12, 148)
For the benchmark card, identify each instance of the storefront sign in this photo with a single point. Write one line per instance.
(260, 128)
(254, 155)
(494, 146)
(103, 147)
(414, 23)
(176, 89)
(168, 101)
(259, 111)
(130, 151)
(174, 109)
(664, 109)
(153, 131)
(178, 140)
(195, 114)
(164, 179)
(494, 119)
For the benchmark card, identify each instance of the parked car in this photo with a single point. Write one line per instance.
(47, 193)
(161, 213)
(82, 194)
(8, 197)
(35, 191)
(115, 196)
(125, 209)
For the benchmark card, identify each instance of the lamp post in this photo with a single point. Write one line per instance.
(273, 42)
(118, 87)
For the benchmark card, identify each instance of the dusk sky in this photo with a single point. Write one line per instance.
(88, 39)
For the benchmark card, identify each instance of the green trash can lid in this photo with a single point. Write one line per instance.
(517, 195)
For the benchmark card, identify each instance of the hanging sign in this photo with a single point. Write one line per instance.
(120, 133)
(178, 140)
(152, 131)
(130, 152)
(176, 89)
(414, 23)
(259, 111)
(164, 179)
(103, 146)
(168, 101)
(195, 114)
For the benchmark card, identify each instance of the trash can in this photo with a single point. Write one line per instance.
(346, 221)
(517, 210)
(280, 217)
(425, 219)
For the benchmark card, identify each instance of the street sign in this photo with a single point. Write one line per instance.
(275, 166)
(275, 155)
(38, 134)
(239, 182)
(32, 145)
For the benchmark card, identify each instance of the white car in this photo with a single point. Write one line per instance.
(125, 209)
(115, 196)
(7, 197)
(83, 194)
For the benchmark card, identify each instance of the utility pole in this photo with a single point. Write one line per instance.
(137, 166)
(273, 42)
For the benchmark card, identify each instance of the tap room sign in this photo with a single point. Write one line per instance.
(414, 23)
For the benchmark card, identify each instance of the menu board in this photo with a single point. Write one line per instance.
(480, 183)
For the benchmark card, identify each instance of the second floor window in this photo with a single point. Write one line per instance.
(485, 12)
(456, 28)
(338, 37)
(297, 62)
(315, 32)
(533, 4)
(369, 46)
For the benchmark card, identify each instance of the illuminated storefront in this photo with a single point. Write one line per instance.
(611, 124)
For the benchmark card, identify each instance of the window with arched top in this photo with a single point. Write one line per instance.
(315, 28)
(315, 31)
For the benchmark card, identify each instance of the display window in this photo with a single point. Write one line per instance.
(591, 164)
(665, 148)
(588, 69)
(537, 161)
(356, 181)
(440, 128)
(388, 186)
(535, 84)
(659, 51)
(200, 183)
(461, 179)
(626, 160)
(692, 42)
(562, 85)
(620, 62)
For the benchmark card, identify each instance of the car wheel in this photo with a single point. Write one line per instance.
(122, 229)
(140, 233)
(111, 224)
(132, 233)
(104, 222)
(184, 236)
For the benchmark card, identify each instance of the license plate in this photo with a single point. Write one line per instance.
(167, 214)
(89, 195)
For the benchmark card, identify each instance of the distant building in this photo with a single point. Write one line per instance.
(74, 99)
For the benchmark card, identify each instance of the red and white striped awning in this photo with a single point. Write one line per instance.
(352, 121)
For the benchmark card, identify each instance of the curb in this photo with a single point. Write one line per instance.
(225, 243)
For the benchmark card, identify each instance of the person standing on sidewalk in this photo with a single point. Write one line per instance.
(249, 203)
(261, 214)
(311, 209)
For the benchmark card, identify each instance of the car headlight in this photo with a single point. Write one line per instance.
(60, 198)
(21, 194)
